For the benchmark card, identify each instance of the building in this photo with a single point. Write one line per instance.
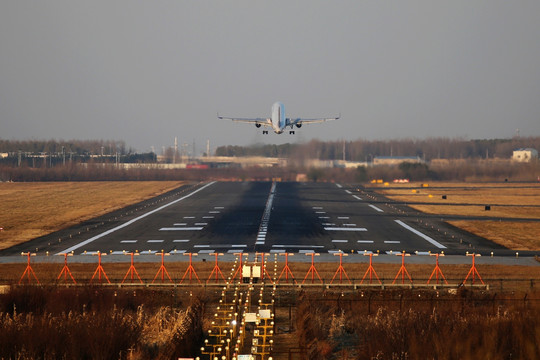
(525, 155)
(396, 160)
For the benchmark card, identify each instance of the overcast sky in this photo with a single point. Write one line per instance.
(147, 71)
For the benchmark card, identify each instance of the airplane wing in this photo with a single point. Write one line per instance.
(300, 121)
(257, 121)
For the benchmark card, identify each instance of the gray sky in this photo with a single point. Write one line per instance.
(147, 71)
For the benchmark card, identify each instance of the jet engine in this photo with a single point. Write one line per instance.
(258, 125)
(299, 125)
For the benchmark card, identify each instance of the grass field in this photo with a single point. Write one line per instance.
(507, 201)
(30, 210)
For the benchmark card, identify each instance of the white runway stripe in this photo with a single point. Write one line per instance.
(376, 208)
(344, 229)
(181, 229)
(298, 246)
(86, 242)
(425, 237)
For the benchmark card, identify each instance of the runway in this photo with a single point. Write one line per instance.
(233, 217)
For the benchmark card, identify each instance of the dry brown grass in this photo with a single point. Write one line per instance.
(513, 235)
(30, 210)
(507, 201)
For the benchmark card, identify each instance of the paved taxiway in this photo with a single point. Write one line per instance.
(232, 217)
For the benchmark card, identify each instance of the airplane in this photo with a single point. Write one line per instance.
(278, 122)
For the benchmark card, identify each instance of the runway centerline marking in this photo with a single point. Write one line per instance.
(263, 228)
(86, 242)
(344, 229)
(357, 197)
(423, 236)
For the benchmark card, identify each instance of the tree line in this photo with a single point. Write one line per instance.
(366, 150)
(79, 147)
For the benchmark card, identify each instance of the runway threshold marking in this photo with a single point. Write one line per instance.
(423, 236)
(86, 242)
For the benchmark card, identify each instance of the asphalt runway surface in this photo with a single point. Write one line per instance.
(248, 217)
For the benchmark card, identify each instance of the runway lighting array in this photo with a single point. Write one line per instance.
(437, 270)
(473, 270)
(216, 269)
(132, 269)
(65, 270)
(28, 271)
(99, 270)
(162, 269)
(286, 269)
(244, 272)
(403, 270)
(190, 269)
(235, 328)
(312, 270)
(341, 269)
(371, 269)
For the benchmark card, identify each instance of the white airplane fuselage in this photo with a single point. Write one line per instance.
(278, 117)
